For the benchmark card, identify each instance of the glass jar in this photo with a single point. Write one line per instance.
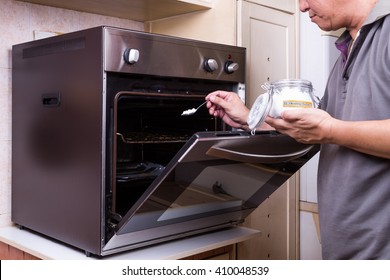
(287, 94)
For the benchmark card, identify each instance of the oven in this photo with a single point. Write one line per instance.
(102, 157)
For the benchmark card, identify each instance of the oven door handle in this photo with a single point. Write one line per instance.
(52, 99)
(226, 153)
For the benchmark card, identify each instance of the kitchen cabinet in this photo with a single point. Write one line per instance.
(222, 253)
(138, 10)
(270, 36)
(268, 30)
(24, 244)
(282, 5)
(8, 252)
(216, 25)
(276, 218)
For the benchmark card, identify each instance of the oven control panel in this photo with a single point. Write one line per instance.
(152, 54)
(211, 65)
(131, 56)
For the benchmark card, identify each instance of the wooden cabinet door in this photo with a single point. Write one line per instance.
(283, 5)
(270, 37)
(277, 220)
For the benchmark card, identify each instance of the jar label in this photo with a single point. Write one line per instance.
(297, 104)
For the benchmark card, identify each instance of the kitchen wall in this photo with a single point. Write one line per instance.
(21, 22)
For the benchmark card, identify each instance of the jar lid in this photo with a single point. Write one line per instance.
(259, 111)
(291, 83)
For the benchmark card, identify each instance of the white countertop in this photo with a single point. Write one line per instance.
(49, 249)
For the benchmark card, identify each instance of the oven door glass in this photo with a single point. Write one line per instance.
(214, 181)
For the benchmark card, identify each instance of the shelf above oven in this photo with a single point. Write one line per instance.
(138, 10)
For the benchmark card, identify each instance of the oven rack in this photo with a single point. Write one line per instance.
(153, 137)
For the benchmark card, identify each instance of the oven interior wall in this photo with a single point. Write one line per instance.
(147, 129)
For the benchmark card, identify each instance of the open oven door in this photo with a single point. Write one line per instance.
(215, 181)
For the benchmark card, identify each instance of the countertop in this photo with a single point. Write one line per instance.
(49, 249)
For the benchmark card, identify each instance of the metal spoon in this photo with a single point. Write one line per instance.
(192, 111)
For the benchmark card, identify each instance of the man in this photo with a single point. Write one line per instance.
(352, 126)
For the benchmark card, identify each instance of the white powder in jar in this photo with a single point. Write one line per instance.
(289, 99)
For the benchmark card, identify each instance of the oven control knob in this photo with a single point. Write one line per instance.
(131, 55)
(210, 65)
(231, 67)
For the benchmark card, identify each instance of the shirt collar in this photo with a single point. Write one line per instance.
(342, 44)
(381, 9)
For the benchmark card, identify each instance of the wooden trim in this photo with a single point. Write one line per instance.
(313, 209)
(137, 10)
(7, 252)
(308, 207)
(226, 250)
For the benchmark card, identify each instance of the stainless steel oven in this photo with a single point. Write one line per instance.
(102, 158)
